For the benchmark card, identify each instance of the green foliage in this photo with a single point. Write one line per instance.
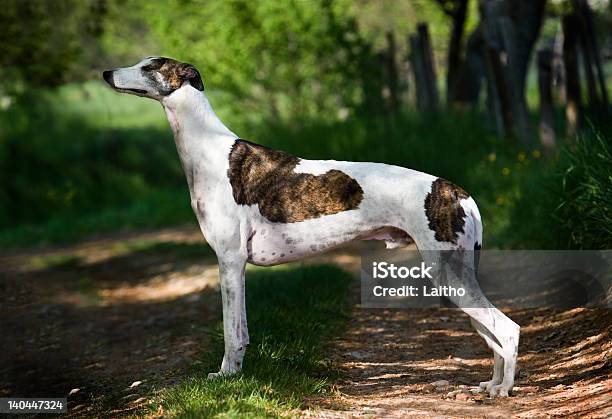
(569, 203)
(285, 362)
(46, 43)
(81, 159)
(95, 160)
(277, 59)
(68, 161)
(585, 210)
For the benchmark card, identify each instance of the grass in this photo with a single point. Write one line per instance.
(82, 160)
(585, 188)
(105, 162)
(157, 209)
(293, 313)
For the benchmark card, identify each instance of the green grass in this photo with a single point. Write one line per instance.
(157, 209)
(82, 160)
(293, 314)
(104, 162)
(585, 188)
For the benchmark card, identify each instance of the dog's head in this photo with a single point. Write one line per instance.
(154, 77)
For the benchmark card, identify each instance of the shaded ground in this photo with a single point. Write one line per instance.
(110, 320)
(115, 320)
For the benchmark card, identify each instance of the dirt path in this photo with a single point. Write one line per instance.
(389, 358)
(107, 322)
(115, 320)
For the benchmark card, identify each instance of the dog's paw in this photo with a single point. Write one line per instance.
(488, 385)
(498, 391)
(214, 375)
(222, 374)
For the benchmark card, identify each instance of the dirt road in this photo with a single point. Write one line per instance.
(112, 321)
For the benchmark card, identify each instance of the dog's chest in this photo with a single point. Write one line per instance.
(270, 246)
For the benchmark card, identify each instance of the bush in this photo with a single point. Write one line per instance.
(82, 152)
(585, 208)
(569, 204)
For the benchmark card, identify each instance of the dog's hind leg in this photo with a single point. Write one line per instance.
(502, 335)
(498, 363)
(499, 332)
(457, 269)
(454, 247)
(235, 333)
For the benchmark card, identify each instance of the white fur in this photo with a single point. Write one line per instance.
(393, 197)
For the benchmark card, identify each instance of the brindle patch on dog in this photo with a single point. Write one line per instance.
(443, 210)
(176, 73)
(263, 176)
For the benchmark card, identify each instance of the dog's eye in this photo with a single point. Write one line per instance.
(147, 68)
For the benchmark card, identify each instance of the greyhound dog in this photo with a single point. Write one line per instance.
(266, 207)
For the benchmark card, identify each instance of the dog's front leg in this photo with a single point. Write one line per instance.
(235, 333)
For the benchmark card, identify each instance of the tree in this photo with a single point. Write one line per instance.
(510, 29)
(47, 43)
(457, 11)
(283, 59)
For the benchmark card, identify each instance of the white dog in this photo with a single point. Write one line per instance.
(266, 207)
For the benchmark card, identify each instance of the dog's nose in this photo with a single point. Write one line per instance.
(108, 76)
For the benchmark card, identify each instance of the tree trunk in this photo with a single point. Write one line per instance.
(423, 70)
(455, 62)
(498, 104)
(418, 71)
(516, 92)
(527, 16)
(547, 119)
(391, 94)
(592, 61)
(572, 84)
(467, 89)
(558, 69)
(428, 62)
(510, 29)
(600, 74)
(499, 99)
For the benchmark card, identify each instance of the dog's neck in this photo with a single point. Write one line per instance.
(191, 116)
(199, 134)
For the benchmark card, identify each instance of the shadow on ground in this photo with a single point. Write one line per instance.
(103, 317)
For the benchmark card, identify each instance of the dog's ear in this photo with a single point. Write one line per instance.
(191, 74)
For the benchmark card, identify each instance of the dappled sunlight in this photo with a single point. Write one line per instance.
(391, 358)
(95, 250)
(159, 288)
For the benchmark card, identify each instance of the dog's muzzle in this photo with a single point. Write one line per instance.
(108, 76)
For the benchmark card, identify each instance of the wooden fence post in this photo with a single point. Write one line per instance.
(423, 68)
(516, 96)
(572, 78)
(592, 61)
(547, 120)
(391, 74)
(429, 66)
(418, 71)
